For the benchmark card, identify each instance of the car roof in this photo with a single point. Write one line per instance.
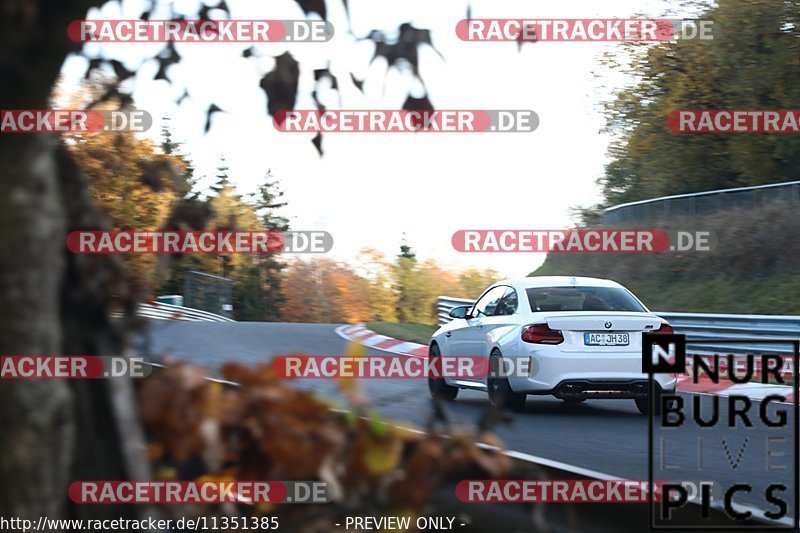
(558, 281)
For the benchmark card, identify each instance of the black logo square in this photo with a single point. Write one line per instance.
(663, 353)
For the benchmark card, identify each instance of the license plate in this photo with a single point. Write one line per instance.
(606, 339)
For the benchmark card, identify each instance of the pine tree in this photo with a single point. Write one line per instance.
(270, 268)
(405, 270)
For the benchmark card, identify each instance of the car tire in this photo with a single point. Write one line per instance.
(438, 388)
(643, 404)
(574, 400)
(500, 393)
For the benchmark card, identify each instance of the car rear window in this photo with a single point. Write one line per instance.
(582, 299)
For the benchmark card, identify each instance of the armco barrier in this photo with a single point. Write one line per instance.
(703, 203)
(444, 304)
(700, 326)
(162, 311)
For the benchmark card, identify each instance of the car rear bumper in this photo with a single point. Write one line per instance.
(597, 375)
(603, 388)
(574, 389)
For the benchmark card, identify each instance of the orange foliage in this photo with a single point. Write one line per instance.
(324, 291)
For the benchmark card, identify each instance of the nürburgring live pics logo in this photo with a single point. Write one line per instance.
(740, 437)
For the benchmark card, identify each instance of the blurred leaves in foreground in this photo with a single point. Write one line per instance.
(266, 430)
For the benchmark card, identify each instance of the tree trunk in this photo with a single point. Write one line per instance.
(36, 417)
(51, 302)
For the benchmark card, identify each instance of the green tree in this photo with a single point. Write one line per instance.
(474, 281)
(262, 297)
(173, 149)
(404, 283)
(192, 213)
(751, 64)
(270, 201)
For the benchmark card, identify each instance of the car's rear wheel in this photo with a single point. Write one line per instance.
(500, 393)
(643, 404)
(437, 386)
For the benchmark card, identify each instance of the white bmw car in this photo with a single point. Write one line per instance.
(570, 337)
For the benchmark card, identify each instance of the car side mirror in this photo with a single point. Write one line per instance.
(461, 311)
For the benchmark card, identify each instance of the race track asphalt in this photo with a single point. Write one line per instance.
(608, 436)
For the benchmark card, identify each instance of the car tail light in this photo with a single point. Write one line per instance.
(665, 328)
(541, 334)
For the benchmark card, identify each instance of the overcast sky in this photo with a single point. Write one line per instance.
(369, 189)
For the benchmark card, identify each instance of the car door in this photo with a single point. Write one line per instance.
(501, 315)
(472, 341)
(456, 337)
(495, 327)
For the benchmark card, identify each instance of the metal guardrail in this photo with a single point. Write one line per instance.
(162, 311)
(703, 203)
(702, 326)
(444, 304)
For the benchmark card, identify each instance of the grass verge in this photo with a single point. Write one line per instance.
(751, 267)
(419, 333)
